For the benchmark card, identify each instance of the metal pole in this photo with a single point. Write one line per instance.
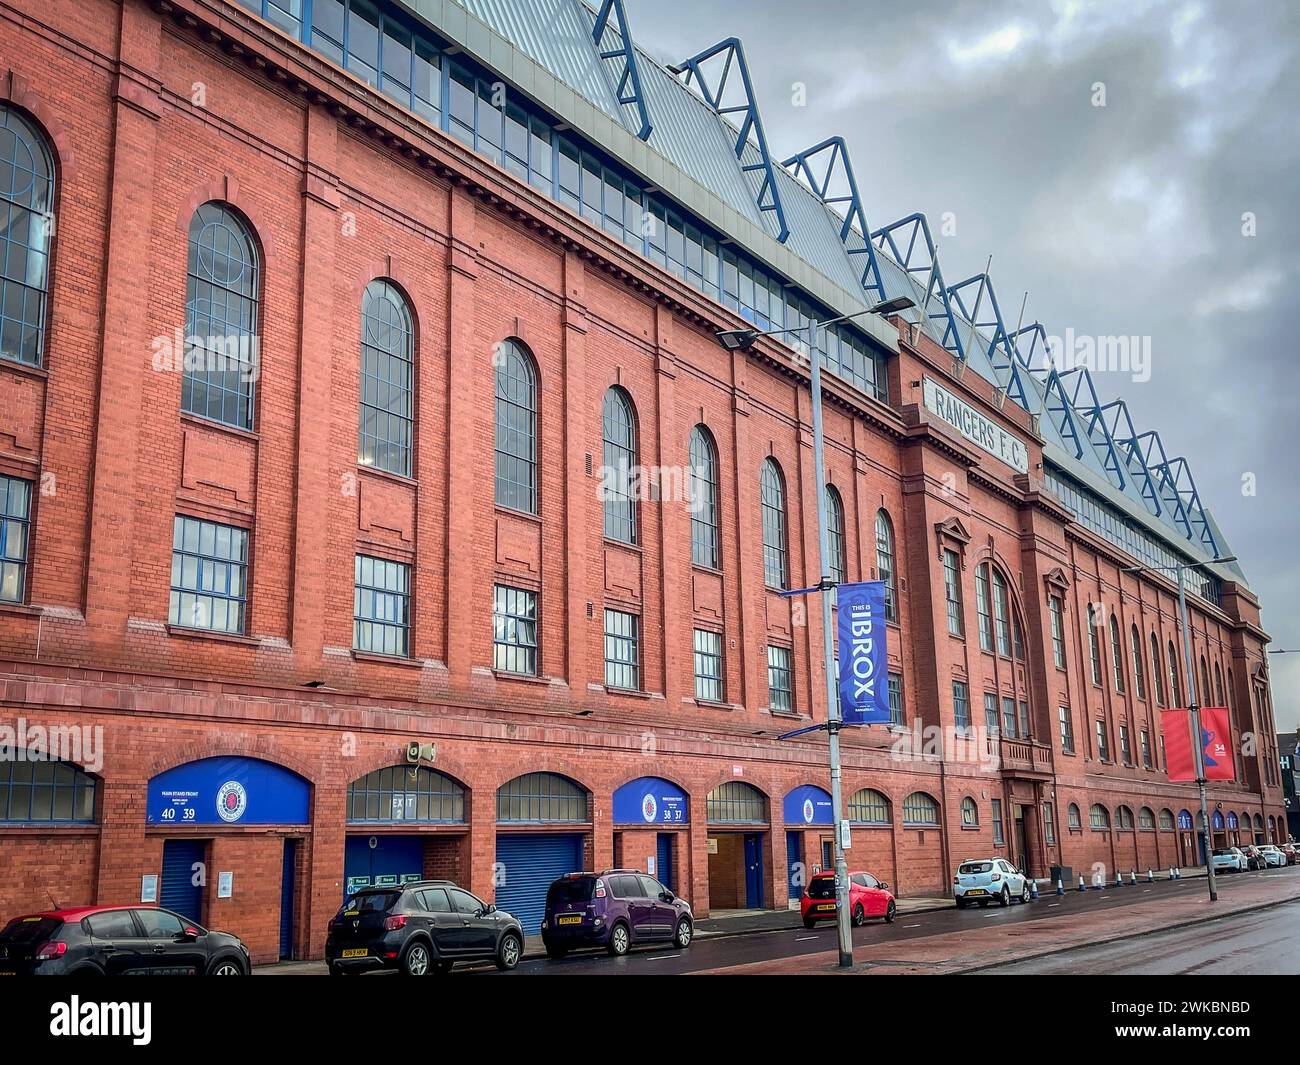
(1196, 730)
(828, 648)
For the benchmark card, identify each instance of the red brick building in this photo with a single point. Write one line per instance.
(235, 591)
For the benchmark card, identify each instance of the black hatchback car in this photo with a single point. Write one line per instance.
(417, 928)
(117, 941)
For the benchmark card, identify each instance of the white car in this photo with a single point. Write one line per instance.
(1273, 856)
(986, 880)
(1228, 860)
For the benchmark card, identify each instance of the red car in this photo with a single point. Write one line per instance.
(868, 897)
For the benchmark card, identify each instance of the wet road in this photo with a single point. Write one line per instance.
(716, 953)
(1264, 944)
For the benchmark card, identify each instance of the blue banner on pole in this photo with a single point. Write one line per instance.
(864, 677)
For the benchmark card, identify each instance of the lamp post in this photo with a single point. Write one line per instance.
(739, 340)
(1194, 710)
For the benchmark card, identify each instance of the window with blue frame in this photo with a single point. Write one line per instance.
(209, 575)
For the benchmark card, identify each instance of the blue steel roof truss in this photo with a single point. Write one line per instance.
(1057, 406)
(1002, 352)
(623, 57)
(1175, 478)
(768, 197)
(914, 252)
(854, 231)
(1083, 397)
(1119, 423)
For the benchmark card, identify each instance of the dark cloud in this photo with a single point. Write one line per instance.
(1124, 219)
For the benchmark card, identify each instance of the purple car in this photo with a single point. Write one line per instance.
(614, 910)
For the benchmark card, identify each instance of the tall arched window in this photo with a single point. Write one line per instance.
(1157, 672)
(1002, 613)
(387, 368)
(26, 226)
(704, 498)
(1116, 654)
(516, 430)
(618, 433)
(1203, 696)
(835, 536)
(776, 572)
(1094, 643)
(1139, 670)
(1175, 690)
(1218, 686)
(885, 563)
(221, 318)
(1098, 817)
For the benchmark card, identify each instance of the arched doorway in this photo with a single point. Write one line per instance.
(652, 819)
(738, 827)
(809, 844)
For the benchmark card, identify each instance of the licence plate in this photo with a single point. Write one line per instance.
(975, 891)
(573, 918)
(824, 906)
(358, 952)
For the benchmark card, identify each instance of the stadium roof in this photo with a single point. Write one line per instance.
(695, 132)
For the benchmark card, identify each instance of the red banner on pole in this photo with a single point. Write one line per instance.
(1216, 737)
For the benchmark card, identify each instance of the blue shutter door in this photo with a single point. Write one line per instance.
(529, 864)
(286, 898)
(179, 892)
(793, 857)
(664, 860)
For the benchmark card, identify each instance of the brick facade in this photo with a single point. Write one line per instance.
(339, 186)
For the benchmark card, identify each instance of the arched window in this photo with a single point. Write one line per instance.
(776, 573)
(970, 813)
(1125, 819)
(1072, 815)
(984, 607)
(26, 226)
(733, 802)
(34, 790)
(408, 794)
(885, 563)
(1218, 686)
(1203, 696)
(543, 797)
(387, 370)
(618, 433)
(704, 498)
(1002, 613)
(1175, 690)
(221, 318)
(1146, 819)
(1157, 672)
(835, 536)
(920, 809)
(1094, 643)
(1098, 818)
(1139, 671)
(1166, 820)
(869, 807)
(516, 430)
(1116, 654)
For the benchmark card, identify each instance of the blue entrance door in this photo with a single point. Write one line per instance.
(288, 866)
(664, 859)
(182, 890)
(392, 860)
(754, 872)
(794, 863)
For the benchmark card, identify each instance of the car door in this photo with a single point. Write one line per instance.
(120, 946)
(1015, 881)
(444, 924)
(640, 909)
(478, 933)
(873, 899)
(172, 950)
(661, 913)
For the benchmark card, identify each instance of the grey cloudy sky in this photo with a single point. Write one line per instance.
(1124, 219)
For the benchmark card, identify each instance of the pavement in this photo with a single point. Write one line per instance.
(725, 938)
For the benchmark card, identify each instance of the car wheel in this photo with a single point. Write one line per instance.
(859, 916)
(509, 952)
(620, 940)
(891, 911)
(227, 967)
(682, 937)
(808, 922)
(1005, 898)
(415, 961)
(1024, 894)
(556, 953)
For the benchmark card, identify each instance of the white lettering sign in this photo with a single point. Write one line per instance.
(979, 430)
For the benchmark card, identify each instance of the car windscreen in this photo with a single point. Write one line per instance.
(30, 929)
(570, 890)
(373, 902)
(971, 868)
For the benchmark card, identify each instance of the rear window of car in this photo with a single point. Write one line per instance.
(970, 868)
(374, 902)
(30, 929)
(821, 887)
(1221, 852)
(570, 890)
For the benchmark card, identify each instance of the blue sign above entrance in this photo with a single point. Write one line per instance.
(808, 805)
(651, 801)
(228, 791)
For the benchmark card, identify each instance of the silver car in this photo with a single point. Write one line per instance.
(986, 880)
(1228, 860)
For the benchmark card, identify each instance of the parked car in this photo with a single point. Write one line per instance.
(1254, 859)
(616, 909)
(986, 880)
(1289, 849)
(117, 941)
(1228, 860)
(1273, 856)
(868, 898)
(421, 927)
